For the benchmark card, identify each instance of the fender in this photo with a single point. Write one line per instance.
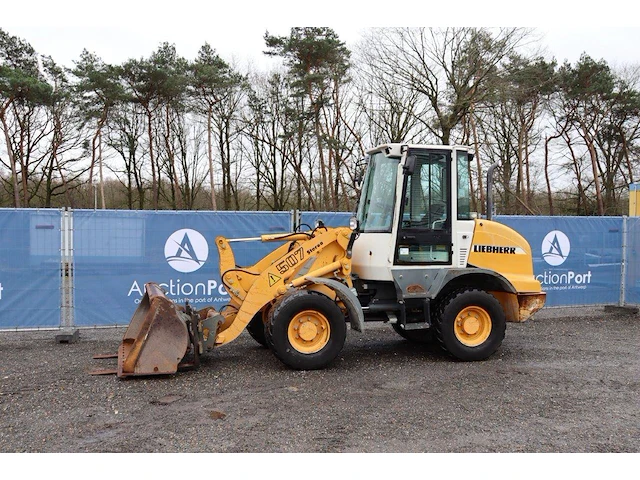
(350, 300)
(414, 283)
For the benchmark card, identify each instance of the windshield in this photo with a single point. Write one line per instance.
(375, 210)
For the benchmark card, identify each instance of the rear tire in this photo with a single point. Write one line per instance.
(306, 330)
(470, 324)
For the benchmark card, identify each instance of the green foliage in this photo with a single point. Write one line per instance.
(588, 78)
(529, 78)
(211, 77)
(20, 78)
(170, 75)
(17, 54)
(313, 55)
(98, 88)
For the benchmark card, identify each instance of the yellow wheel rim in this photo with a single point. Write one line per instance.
(472, 326)
(309, 331)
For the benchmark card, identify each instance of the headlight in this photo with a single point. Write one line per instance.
(353, 223)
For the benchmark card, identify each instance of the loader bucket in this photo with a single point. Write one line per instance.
(157, 338)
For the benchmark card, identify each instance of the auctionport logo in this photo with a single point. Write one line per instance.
(186, 250)
(555, 248)
(555, 251)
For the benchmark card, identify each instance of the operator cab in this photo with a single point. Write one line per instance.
(414, 203)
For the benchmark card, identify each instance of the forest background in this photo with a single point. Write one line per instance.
(167, 132)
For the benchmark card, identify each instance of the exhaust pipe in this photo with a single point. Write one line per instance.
(490, 190)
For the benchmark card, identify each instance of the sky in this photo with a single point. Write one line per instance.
(117, 30)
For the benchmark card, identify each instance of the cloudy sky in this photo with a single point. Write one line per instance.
(117, 30)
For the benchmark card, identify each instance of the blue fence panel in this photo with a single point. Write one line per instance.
(117, 252)
(330, 219)
(29, 268)
(632, 276)
(577, 259)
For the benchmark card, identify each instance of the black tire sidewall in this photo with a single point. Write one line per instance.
(456, 302)
(256, 329)
(278, 327)
(423, 337)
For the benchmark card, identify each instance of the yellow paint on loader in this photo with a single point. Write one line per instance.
(498, 248)
(252, 288)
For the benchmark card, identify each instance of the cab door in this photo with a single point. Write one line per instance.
(424, 230)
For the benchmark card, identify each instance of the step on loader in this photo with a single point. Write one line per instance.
(414, 256)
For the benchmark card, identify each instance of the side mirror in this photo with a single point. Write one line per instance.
(409, 165)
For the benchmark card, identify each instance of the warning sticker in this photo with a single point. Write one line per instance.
(273, 279)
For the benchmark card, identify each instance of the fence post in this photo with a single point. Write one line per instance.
(295, 220)
(64, 303)
(67, 321)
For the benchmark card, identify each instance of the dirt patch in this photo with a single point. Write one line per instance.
(566, 381)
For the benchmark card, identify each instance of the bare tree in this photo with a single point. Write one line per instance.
(450, 68)
(212, 80)
(99, 90)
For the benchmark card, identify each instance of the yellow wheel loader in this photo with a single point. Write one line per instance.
(414, 256)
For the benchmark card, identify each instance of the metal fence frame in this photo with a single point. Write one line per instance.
(67, 265)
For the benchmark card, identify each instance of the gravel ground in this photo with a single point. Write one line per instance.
(565, 381)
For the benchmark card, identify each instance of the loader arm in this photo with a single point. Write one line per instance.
(162, 335)
(292, 265)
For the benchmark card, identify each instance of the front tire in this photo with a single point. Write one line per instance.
(256, 328)
(306, 330)
(470, 325)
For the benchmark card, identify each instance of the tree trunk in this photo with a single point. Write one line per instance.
(102, 200)
(582, 197)
(57, 141)
(625, 149)
(210, 153)
(24, 167)
(528, 196)
(176, 193)
(546, 174)
(520, 178)
(226, 174)
(154, 177)
(323, 168)
(596, 175)
(12, 162)
(474, 130)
